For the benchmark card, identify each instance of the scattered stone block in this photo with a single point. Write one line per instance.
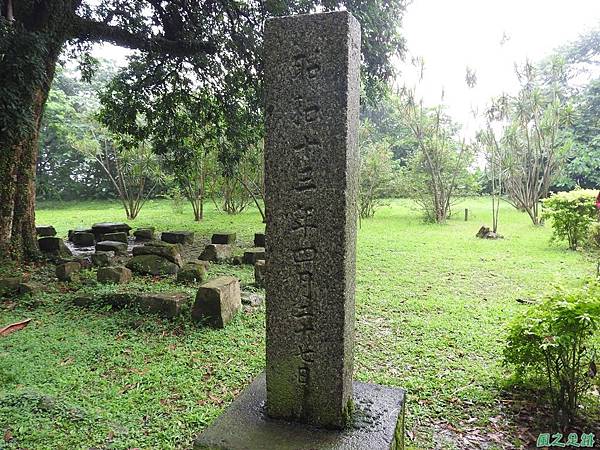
(117, 300)
(166, 305)
(83, 238)
(178, 237)
(144, 234)
(84, 300)
(29, 288)
(116, 275)
(10, 285)
(223, 238)
(216, 252)
(109, 227)
(68, 271)
(119, 248)
(152, 265)
(254, 254)
(78, 230)
(102, 259)
(259, 239)
(162, 249)
(54, 246)
(487, 233)
(192, 272)
(119, 236)
(259, 273)
(45, 230)
(217, 301)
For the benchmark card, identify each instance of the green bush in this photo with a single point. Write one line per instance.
(552, 344)
(571, 213)
(594, 236)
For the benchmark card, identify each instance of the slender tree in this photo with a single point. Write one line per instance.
(437, 170)
(534, 147)
(219, 42)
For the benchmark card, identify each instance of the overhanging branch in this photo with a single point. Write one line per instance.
(90, 30)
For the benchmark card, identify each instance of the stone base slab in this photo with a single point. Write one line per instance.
(378, 424)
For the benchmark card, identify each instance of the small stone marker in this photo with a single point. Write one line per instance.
(259, 273)
(259, 239)
(10, 285)
(311, 179)
(54, 246)
(165, 305)
(30, 288)
(162, 249)
(109, 227)
(254, 254)
(152, 265)
(102, 259)
(119, 236)
(82, 238)
(116, 275)
(67, 271)
(120, 248)
(223, 238)
(216, 252)
(45, 230)
(178, 237)
(218, 301)
(144, 234)
(192, 272)
(79, 230)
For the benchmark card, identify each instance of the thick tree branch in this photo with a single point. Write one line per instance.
(90, 30)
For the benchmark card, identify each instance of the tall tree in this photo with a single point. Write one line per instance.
(534, 145)
(219, 41)
(437, 171)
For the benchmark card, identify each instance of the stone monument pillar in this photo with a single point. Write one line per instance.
(311, 173)
(307, 399)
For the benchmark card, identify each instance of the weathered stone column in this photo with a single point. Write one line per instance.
(311, 168)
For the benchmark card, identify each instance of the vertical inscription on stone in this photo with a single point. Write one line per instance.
(311, 159)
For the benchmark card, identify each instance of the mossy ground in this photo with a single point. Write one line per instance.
(432, 305)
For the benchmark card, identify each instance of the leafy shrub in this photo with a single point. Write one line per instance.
(551, 343)
(571, 213)
(594, 236)
(376, 177)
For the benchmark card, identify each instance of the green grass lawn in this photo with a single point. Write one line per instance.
(432, 305)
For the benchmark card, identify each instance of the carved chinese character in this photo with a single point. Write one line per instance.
(302, 311)
(306, 354)
(304, 254)
(304, 151)
(306, 66)
(305, 111)
(303, 221)
(303, 373)
(304, 325)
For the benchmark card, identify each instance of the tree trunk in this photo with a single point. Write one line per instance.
(27, 70)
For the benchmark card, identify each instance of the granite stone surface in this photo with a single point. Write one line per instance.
(223, 238)
(218, 301)
(378, 422)
(311, 167)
